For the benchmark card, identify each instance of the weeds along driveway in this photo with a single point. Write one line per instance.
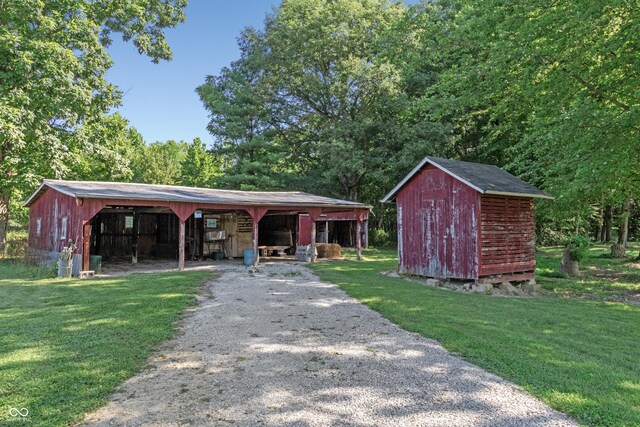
(278, 347)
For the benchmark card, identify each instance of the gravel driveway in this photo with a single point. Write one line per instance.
(280, 348)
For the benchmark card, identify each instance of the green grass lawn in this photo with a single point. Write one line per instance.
(65, 344)
(581, 357)
(603, 277)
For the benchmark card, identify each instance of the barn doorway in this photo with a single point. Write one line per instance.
(278, 234)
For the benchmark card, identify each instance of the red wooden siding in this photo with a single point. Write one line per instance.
(304, 229)
(507, 235)
(50, 209)
(437, 226)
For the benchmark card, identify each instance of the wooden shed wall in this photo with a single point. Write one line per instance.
(507, 235)
(437, 226)
(50, 208)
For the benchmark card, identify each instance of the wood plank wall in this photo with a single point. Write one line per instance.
(508, 235)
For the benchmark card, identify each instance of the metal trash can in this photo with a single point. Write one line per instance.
(95, 263)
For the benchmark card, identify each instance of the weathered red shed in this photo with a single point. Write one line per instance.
(130, 220)
(465, 220)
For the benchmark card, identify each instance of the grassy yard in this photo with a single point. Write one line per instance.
(65, 344)
(581, 356)
(602, 277)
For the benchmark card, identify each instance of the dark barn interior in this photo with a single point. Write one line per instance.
(127, 233)
(278, 231)
(121, 233)
(340, 232)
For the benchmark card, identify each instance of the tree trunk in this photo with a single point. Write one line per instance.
(606, 224)
(623, 230)
(4, 221)
(569, 266)
(618, 250)
(598, 228)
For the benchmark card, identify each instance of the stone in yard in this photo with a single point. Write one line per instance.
(508, 289)
(433, 282)
(481, 288)
(531, 287)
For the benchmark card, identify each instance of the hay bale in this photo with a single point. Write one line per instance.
(328, 250)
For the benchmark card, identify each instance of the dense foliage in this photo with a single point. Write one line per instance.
(345, 97)
(54, 97)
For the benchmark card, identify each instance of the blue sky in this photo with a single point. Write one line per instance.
(160, 99)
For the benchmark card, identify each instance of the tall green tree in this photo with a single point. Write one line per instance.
(241, 120)
(104, 149)
(200, 168)
(322, 63)
(160, 163)
(53, 62)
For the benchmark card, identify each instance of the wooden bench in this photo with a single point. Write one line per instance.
(267, 250)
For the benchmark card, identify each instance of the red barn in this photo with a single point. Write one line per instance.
(130, 221)
(465, 220)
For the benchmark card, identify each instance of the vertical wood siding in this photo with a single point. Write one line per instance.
(50, 208)
(438, 233)
(508, 235)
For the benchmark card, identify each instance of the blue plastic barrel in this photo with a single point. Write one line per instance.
(248, 257)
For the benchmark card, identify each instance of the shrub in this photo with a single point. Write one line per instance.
(17, 242)
(578, 247)
(380, 238)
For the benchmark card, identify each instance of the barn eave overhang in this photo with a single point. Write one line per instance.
(41, 189)
(507, 193)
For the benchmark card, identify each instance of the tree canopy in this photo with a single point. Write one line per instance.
(353, 93)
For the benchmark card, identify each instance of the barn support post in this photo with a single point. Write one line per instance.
(86, 244)
(359, 240)
(134, 238)
(366, 233)
(181, 238)
(256, 215)
(326, 231)
(314, 214)
(254, 241)
(313, 240)
(183, 211)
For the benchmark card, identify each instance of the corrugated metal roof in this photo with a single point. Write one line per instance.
(172, 193)
(486, 179)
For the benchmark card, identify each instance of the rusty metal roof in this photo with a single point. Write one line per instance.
(173, 193)
(486, 179)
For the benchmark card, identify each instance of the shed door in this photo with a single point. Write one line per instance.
(434, 237)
